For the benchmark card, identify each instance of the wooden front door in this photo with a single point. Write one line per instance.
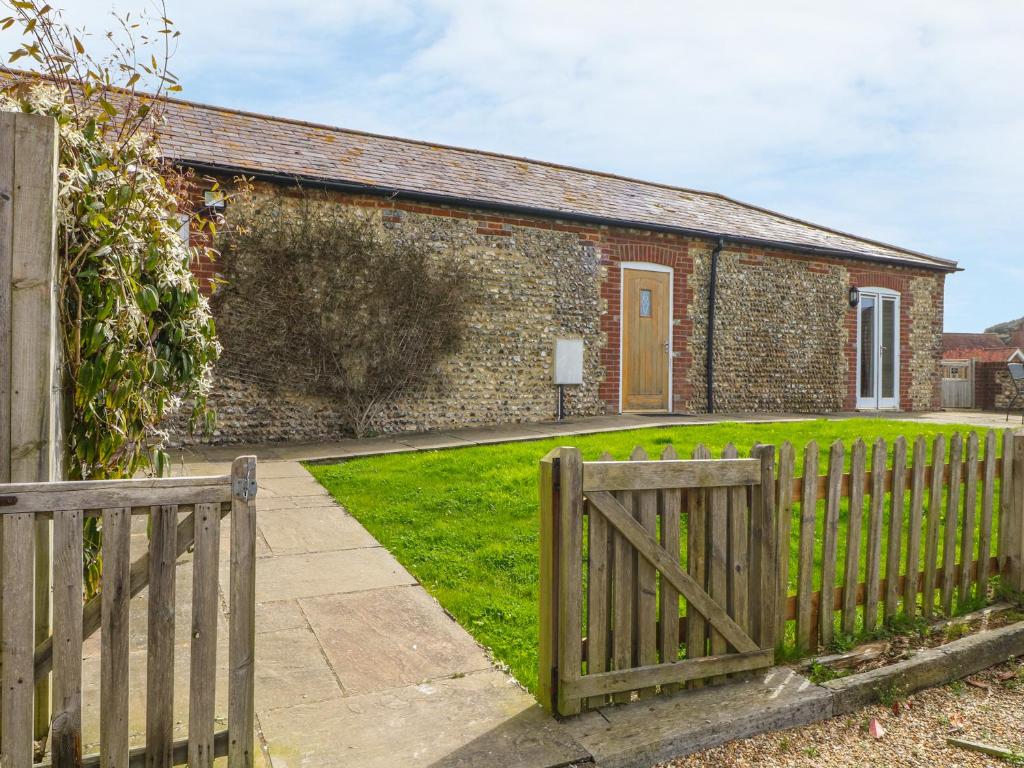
(645, 347)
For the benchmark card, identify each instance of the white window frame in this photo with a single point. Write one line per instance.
(185, 228)
(646, 266)
(878, 403)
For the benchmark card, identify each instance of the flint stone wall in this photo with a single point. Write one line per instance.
(786, 336)
(530, 286)
(779, 334)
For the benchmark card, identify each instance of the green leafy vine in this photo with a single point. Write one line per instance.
(138, 337)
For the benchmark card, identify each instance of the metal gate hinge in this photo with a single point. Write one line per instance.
(244, 488)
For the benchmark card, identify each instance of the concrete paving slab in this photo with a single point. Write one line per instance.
(231, 452)
(138, 612)
(275, 468)
(298, 452)
(270, 453)
(428, 441)
(291, 486)
(189, 464)
(367, 447)
(279, 614)
(324, 573)
(266, 502)
(640, 734)
(979, 419)
(320, 529)
(262, 549)
(389, 638)
(138, 617)
(291, 670)
(195, 466)
(482, 719)
(487, 436)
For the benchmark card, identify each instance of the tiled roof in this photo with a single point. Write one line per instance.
(210, 136)
(951, 341)
(231, 140)
(982, 355)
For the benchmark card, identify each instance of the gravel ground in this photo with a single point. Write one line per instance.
(915, 736)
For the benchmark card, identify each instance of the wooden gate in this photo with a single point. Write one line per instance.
(183, 513)
(614, 536)
(958, 383)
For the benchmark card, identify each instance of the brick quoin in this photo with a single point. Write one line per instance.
(617, 245)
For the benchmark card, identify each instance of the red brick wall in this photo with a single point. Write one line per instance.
(617, 248)
(993, 387)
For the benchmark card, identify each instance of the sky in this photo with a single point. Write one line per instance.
(900, 121)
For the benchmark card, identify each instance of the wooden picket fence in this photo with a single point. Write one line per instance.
(905, 536)
(200, 503)
(618, 577)
(925, 544)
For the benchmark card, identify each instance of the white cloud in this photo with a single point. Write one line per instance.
(895, 120)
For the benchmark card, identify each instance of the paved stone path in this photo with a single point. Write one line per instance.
(356, 665)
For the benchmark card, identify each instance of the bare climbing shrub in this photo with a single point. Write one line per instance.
(323, 298)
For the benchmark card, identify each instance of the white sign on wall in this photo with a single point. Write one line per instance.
(568, 361)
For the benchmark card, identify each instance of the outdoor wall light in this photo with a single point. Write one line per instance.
(854, 296)
(214, 200)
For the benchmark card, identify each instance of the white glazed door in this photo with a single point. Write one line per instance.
(878, 350)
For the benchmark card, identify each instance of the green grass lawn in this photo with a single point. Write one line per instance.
(464, 521)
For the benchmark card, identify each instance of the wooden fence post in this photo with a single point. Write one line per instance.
(570, 578)
(765, 551)
(1015, 548)
(547, 686)
(30, 445)
(242, 629)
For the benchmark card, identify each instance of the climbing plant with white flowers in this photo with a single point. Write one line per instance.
(138, 336)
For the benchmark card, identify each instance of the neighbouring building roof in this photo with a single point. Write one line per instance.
(985, 355)
(954, 341)
(222, 139)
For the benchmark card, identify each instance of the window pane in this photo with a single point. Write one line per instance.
(645, 302)
(888, 342)
(867, 347)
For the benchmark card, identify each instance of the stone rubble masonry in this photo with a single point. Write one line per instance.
(785, 333)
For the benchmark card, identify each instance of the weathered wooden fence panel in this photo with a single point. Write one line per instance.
(908, 534)
(30, 436)
(203, 501)
(919, 534)
(612, 551)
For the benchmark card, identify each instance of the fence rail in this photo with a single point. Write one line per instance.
(913, 531)
(183, 513)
